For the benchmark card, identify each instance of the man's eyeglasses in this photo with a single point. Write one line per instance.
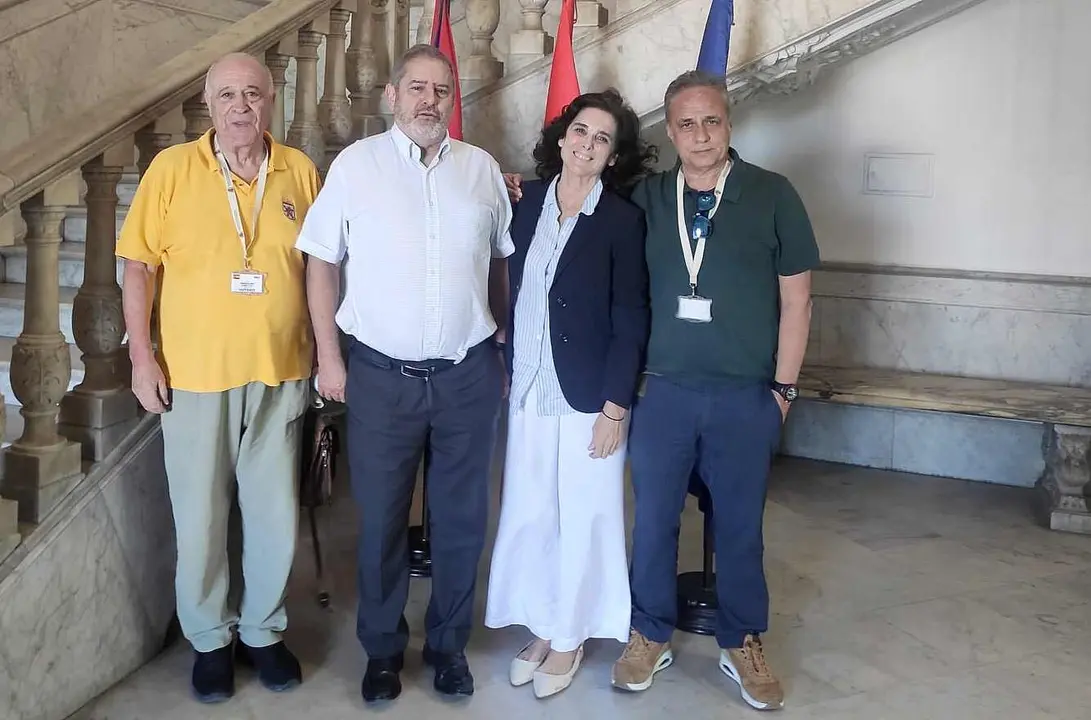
(702, 223)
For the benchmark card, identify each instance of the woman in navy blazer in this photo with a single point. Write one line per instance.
(576, 338)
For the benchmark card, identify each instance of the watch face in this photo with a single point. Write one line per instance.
(791, 393)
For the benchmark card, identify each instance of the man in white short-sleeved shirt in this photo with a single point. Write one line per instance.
(421, 223)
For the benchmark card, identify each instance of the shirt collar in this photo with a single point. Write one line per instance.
(208, 155)
(589, 203)
(411, 150)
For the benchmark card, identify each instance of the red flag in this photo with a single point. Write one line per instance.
(445, 41)
(564, 85)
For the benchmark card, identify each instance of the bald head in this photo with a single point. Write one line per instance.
(233, 63)
(239, 94)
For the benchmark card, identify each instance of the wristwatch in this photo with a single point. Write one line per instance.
(788, 391)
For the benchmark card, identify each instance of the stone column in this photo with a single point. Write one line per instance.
(380, 35)
(42, 466)
(102, 409)
(198, 121)
(305, 132)
(481, 68)
(363, 74)
(399, 41)
(333, 111)
(424, 27)
(1063, 491)
(9, 509)
(278, 66)
(531, 41)
(150, 141)
(590, 14)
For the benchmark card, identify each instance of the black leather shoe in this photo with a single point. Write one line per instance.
(278, 669)
(214, 675)
(453, 676)
(381, 681)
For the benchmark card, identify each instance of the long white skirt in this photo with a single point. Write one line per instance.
(559, 566)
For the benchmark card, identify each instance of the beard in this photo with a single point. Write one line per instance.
(423, 130)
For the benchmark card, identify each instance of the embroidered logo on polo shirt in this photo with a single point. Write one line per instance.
(289, 209)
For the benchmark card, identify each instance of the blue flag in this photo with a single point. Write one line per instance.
(717, 38)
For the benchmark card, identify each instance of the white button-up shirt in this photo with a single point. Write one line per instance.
(417, 242)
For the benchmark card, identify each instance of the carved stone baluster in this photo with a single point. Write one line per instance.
(42, 466)
(380, 33)
(198, 121)
(481, 68)
(278, 66)
(150, 141)
(333, 111)
(531, 41)
(1063, 489)
(424, 27)
(399, 41)
(101, 410)
(305, 132)
(9, 509)
(363, 74)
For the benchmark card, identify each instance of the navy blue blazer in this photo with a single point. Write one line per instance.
(598, 303)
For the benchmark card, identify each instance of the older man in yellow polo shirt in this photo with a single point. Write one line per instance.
(220, 217)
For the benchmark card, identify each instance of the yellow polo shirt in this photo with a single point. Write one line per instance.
(211, 339)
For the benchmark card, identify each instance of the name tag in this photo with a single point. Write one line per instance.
(248, 282)
(694, 308)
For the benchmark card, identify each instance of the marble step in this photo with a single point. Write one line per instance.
(6, 344)
(71, 264)
(75, 224)
(11, 311)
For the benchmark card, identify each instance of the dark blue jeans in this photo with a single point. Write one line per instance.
(728, 435)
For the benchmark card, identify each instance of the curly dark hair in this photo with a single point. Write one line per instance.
(634, 156)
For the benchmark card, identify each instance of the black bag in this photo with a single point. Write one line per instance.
(321, 448)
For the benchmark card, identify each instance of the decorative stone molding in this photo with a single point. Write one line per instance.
(642, 51)
(799, 63)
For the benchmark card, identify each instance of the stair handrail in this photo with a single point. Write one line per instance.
(73, 141)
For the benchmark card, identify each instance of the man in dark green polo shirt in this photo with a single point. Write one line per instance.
(730, 288)
(730, 300)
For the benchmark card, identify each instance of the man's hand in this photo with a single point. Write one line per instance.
(331, 379)
(782, 404)
(150, 385)
(514, 182)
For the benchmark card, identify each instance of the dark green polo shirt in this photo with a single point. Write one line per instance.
(760, 231)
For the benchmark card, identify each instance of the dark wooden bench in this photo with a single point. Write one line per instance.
(1063, 492)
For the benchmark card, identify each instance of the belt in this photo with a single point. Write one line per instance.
(419, 369)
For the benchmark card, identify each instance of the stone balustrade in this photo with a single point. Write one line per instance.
(65, 429)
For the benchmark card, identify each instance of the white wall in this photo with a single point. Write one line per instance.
(998, 95)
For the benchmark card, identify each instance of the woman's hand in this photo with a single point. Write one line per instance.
(607, 433)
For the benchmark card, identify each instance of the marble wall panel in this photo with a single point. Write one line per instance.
(1006, 327)
(88, 598)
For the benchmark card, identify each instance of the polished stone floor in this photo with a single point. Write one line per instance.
(894, 597)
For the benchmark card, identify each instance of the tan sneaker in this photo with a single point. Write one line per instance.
(642, 659)
(747, 667)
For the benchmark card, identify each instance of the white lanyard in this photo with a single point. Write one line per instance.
(233, 200)
(694, 259)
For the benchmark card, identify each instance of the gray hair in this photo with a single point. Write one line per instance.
(422, 50)
(234, 57)
(696, 79)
